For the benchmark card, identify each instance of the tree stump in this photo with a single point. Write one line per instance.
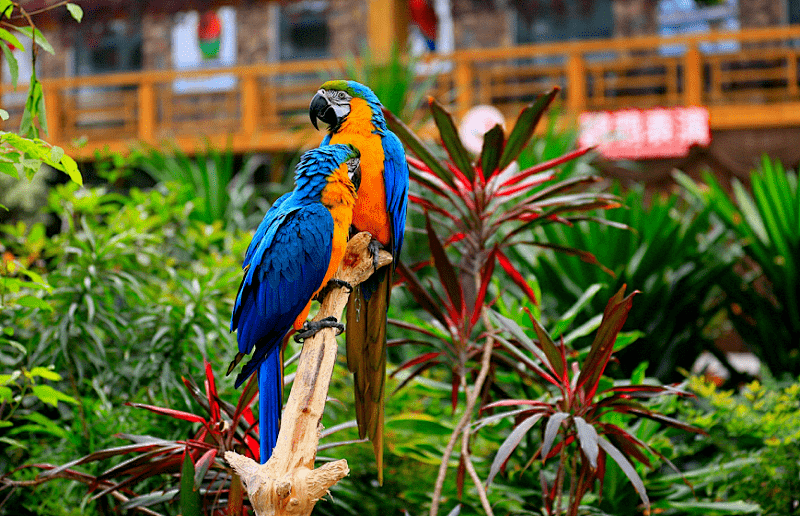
(288, 484)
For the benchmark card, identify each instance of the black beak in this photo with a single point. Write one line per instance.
(321, 109)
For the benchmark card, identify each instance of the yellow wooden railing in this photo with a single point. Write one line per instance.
(747, 79)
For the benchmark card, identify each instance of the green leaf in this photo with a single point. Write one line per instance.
(39, 38)
(709, 508)
(493, 144)
(587, 435)
(9, 331)
(6, 394)
(10, 38)
(555, 355)
(419, 424)
(450, 139)
(626, 468)
(4, 115)
(415, 145)
(56, 153)
(13, 66)
(69, 166)
(190, 497)
(51, 396)
(45, 373)
(6, 8)
(9, 169)
(525, 127)
(510, 444)
(5, 424)
(76, 11)
(551, 431)
(34, 302)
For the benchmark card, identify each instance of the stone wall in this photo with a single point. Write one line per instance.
(763, 13)
(156, 41)
(347, 20)
(482, 27)
(256, 32)
(635, 17)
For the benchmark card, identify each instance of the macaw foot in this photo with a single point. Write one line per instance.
(311, 328)
(374, 248)
(332, 284)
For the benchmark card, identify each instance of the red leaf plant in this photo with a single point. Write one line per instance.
(482, 207)
(572, 413)
(222, 427)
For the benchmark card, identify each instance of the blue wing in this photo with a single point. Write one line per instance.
(286, 267)
(395, 179)
(269, 218)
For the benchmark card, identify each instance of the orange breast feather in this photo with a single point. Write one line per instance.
(370, 211)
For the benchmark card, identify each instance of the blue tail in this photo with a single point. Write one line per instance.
(270, 401)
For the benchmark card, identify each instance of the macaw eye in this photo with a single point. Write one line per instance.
(341, 95)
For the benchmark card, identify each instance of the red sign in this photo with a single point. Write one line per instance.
(648, 133)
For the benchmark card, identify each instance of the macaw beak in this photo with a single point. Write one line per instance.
(321, 109)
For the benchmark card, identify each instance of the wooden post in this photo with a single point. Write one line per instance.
(249, 104)
(692, 76)
(147, 111)
(791, 74)
(576, 84)
(288, 484)
(463, 80)
(387, 27)
(53, 108)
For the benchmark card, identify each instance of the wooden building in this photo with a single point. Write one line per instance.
(241, 72)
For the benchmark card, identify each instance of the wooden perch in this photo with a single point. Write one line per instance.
(288, 483)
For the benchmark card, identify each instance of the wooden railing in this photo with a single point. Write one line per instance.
(747, 79)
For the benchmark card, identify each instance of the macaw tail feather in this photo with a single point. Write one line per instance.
(270, 400)
(366, 357)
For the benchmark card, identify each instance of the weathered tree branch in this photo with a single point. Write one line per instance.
(288, 483)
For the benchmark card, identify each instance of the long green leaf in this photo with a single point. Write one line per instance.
(190, 497)
(525, 127)
(493, 145)
(626, 468)
(510, 444)
(13, 66)
(415, 145)
(451, 140)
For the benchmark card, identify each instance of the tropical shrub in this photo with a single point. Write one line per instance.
(580, 428)
(672, 250)
(764, 302)
(756, 428)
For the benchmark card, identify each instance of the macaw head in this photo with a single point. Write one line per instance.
(320, 166)
(334, 101)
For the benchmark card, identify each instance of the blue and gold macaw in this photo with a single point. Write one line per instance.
(353, 114)
(294, 253)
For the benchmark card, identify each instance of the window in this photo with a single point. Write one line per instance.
(304, 30)
(106, 46)
(558, 20)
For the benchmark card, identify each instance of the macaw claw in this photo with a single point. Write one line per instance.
(374, 247)
(332, 284)
(311, 328)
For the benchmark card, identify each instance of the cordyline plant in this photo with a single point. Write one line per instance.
(576, 431)
(486, 205)
(205, 483)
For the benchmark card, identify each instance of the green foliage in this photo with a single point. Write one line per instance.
(673, 252)
(764, 303)
(759, 426)
(25, 153)
(587, 413)
(221, 192)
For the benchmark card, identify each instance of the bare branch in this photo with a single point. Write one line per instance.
(288, 483)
